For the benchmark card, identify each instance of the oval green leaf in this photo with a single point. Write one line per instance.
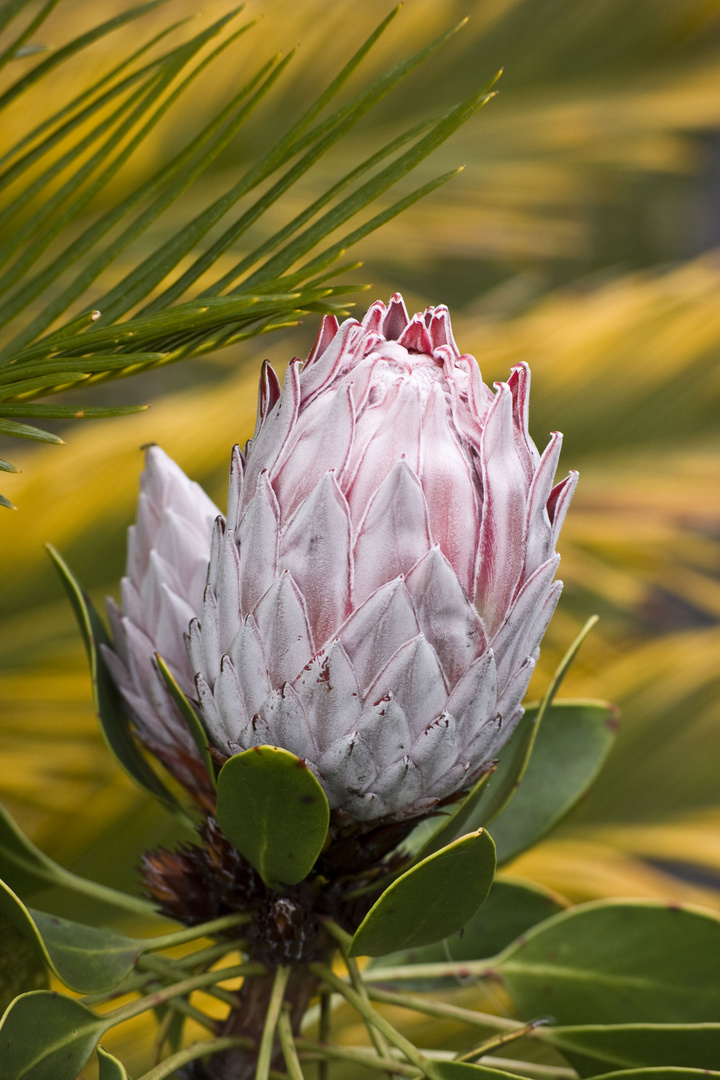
(430, 901)
(45, 1036)
(273, 809)
(570, 748)
(465, 1070)
(22, 966)
(511, 908)
(84, 958)
(668, 1073)
(614, 962)
(593, 1047)
(109, 1068)
(114, 723)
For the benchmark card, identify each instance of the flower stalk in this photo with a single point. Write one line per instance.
(170, 971)
(181, 989)
(322, 1053)
(287, 1042)
(441, 1009)
(495, 1042)
(372, 1018)
(194, 1053)
(344, 939)
(272, 1015)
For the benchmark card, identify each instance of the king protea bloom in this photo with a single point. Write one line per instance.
(377, 594)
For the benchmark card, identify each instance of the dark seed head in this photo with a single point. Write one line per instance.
(286, 929)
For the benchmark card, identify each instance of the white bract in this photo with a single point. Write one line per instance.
(377, 594)
(166, 574)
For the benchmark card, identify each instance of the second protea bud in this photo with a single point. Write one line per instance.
(378, 591)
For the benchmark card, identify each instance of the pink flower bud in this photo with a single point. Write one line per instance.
(377, 595)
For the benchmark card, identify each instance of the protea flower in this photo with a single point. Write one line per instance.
(377, 594)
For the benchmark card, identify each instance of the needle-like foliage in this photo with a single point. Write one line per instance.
(54, 250)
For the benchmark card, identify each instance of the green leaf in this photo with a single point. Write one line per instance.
(84, 958)
(613, 962)
(76, 45)
(136, 285)
(186, 166)
(430, 901)
(669, 1073)
(146, 95)
(272, 808)
(557, 762)
(298, 138)
(77, 116)
(67, 412)
(27, 871)
(454, 826)
(60, 165)
(189, 715)
(46, 1036)
(14, 49)
(114, 722)
(9, 10)
(21, 965)
(592, 1048)
(511, 908)
(109, 1068)
(27, 431)
(571, 745)
(164, 327)
(17, 386)
(464, 1070)
(359, 199)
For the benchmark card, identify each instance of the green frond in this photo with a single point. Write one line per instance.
(55, 249)
(78, 116)
(10, 10)
(14, 48)
(26, 431)
(71, 49)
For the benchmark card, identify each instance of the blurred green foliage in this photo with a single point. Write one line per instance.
(580, 237)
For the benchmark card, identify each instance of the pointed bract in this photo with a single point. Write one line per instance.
(376, 602)
(167, 566)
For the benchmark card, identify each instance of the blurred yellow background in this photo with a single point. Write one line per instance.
(580, 237)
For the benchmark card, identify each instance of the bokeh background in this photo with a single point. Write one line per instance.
(582, 237)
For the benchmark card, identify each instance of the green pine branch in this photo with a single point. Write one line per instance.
(53, 175)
